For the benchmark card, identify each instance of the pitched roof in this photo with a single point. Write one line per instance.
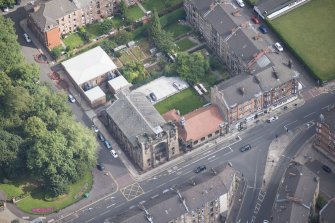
(89, 65)
(134, 115)
(171, 116)
(168, 207)
(49, 11)
(273, 77)
(296, 195)
(272, 5)
(200, 123)
(202, 5)
(239, 89)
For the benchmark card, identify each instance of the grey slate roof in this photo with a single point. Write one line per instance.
(134, 114)
(82, 3)
(49, 11)
(299, 184)
(202, 5)
(232, 89)
(268, 80)
(168, 206)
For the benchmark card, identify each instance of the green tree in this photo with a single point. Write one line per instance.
(17, 101)
(123, 8)
(155, 29)
(123, 37)
(133, 70)
(25, 75)
(106, 26)
(5, 83)
(108, 46)
(57, 52)
(10, 50)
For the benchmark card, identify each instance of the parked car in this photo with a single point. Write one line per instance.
(114, 154)
(265, 221)
(200, 169)
(107, 144)
(5, 8)
(100, 166)
(255, 19)
(272, 119)
(240, 3)
(25, 35)
(177, 86)
(95, 129)
(70, 97)
(153, 96)
(263, 29)
(245, 148)
(101, 137)
(285, 107)
(326, 168)
(279, 47)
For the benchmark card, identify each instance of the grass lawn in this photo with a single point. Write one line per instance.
(126, 57)
(185, 101)
(73, 40)
(177, 29)
(185, 44)
(138, 53)
(37, 197)
(159, 5)
(134, 13)
(13, 189)
(93, 30)
(308, 30)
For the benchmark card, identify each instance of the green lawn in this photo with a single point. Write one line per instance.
(13, 189)
(185, 44)
(185, 101)
(159, 5)
(36, 199)
(73, 40)
(310, 31)
(93, 30)
(134, 13)
(178, 29)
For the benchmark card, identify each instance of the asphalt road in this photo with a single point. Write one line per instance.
(250, 163)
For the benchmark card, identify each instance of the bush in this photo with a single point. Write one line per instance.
(106, 26)
(320, 202)
(123, 37)
(57, 52)
(173, 17)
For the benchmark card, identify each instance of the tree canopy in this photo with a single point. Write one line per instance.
(39, 137)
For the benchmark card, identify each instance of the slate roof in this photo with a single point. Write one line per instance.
(49, 11)
(269, 80)
(134, 115)
(239, 89)
(168, 206)
(202, 5)
(295, 195)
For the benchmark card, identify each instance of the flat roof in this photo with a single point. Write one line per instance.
(89, 65)
(95, 93)
(118, 83)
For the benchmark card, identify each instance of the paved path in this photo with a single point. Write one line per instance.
(141, 7)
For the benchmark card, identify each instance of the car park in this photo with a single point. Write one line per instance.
(326, 168)
(245, 148)
(255, 19)
(263, 29)
(272, 119)
(114, 154)
(107, 144)
(200, 169)
(279, 47)
(100, 166)
(240, 3)
(71, 98)
(101, 137)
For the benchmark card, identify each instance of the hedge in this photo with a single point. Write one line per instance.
(172, 17)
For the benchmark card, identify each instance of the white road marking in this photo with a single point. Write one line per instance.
(131, 207)
(142, 202)
(309, 114)
(165, 191)
(205, 153)
(153, 197)
(211, 157)
(109, 198)
(109, 206)
(285, 126)
(180, 172)
(103, 213)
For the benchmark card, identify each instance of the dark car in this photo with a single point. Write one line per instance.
(263, 29)
(326, 168)
(255, 19)
(100, 166)
(245, 148)
(101, 137)
(107, 144)
(153, 96)
(200, 169)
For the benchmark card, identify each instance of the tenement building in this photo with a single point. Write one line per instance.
(49, 19)
(140, 130)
